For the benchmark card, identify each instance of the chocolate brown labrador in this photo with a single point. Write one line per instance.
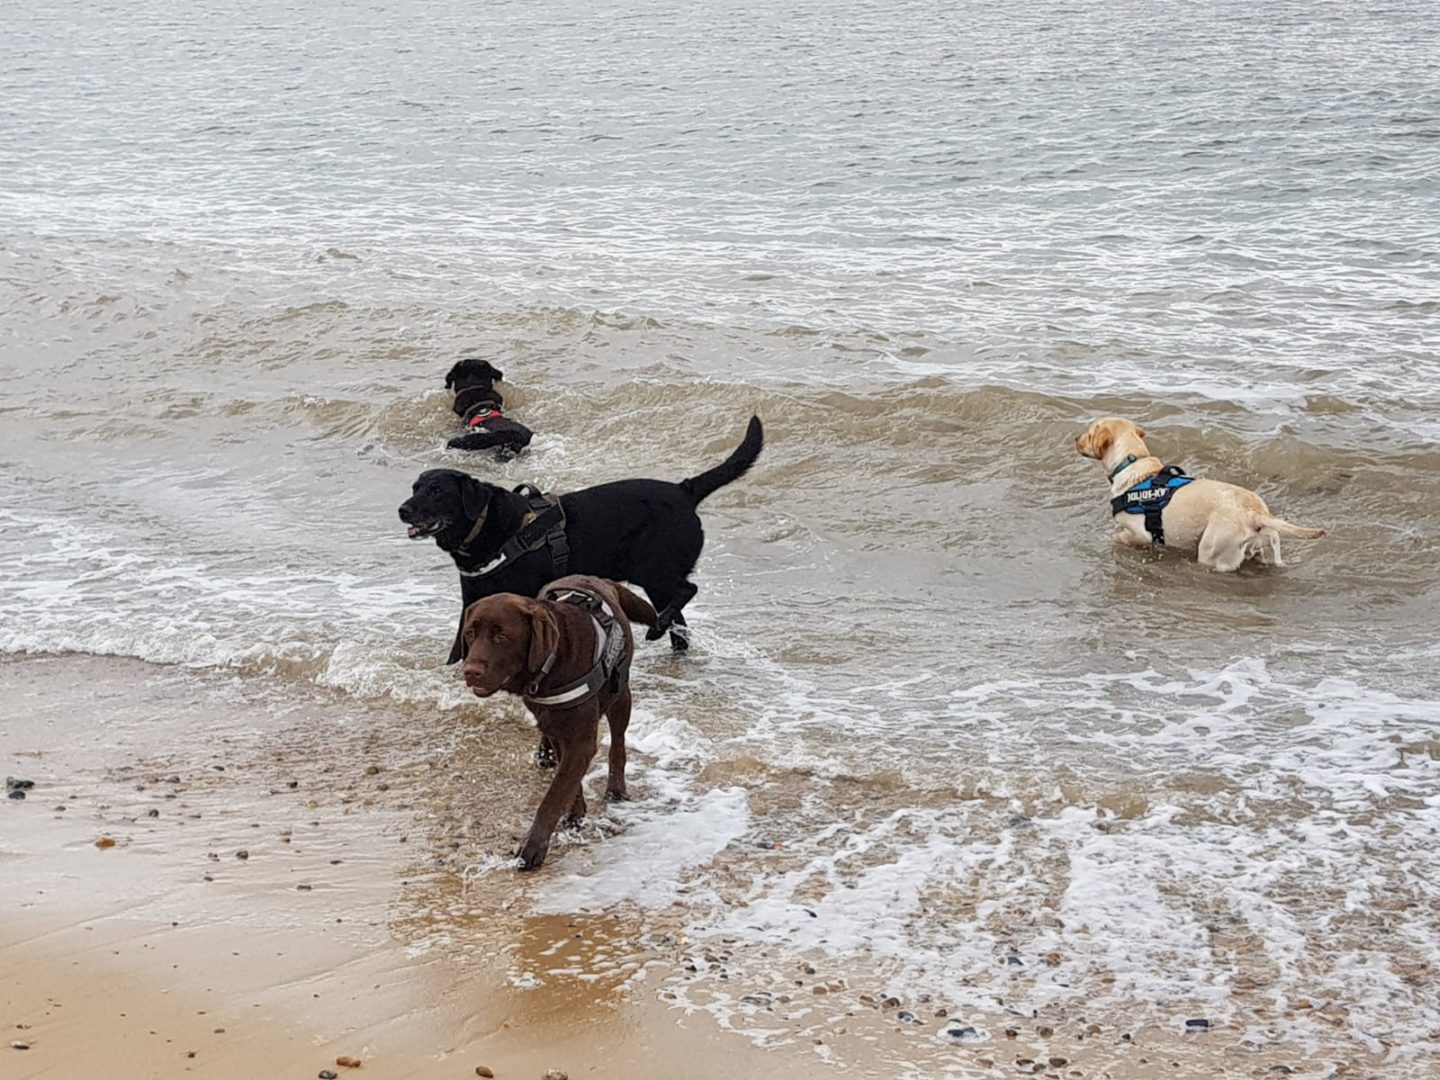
(567, 654)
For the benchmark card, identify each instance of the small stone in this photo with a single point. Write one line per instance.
(809, 969)
(292, 784)
(1200, 1024)
(17, 795)
(372, 770)
(819, 991)
(481, 1070)
(105, 842)
(242, 854)
(1059, 1062)
(303, 888)
(172, 779)
(345, 1061)
(963, 1034)
(152, 812)
(18, 1045)
(554, 1074)
(942, 1013)
(1045, 1032)
(905, 1016)
(1012, 1033)
(756, 999)
(890, 1003)
(1093, 1029)
(14, 783)
(328, 1074)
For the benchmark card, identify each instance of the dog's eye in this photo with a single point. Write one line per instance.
(497, 634)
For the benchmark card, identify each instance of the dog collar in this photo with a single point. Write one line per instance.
(475, 531)
(1130, 459)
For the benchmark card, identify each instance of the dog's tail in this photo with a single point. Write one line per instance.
(636, 608)
(1284, 528)
(731, 469)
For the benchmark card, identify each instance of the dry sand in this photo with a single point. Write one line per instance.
(347, 927)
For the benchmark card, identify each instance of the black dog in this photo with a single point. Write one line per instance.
(646, 532)
(479, 405)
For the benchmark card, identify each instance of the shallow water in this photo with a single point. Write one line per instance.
(238, 251)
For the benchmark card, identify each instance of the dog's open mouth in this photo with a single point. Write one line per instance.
(421, 531)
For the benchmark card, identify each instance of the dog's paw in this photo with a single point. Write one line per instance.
(545, 756)
(616, 794)
(572, 821)
(655, 633)
(679, 641)
(532, 853)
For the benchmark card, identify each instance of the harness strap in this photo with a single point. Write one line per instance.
(611, 664)
(481, 415)
(1150, 497)
(544, 525)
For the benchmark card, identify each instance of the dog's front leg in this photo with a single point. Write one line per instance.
(575, 755)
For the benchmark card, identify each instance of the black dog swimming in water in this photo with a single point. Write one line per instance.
(480, 407)
(646, 532)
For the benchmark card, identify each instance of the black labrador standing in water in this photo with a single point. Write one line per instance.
(646, 532)
(480, 408)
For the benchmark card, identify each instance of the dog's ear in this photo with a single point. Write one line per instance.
(474, 498)
(491, 371)
(544, 636)
(1139, 432)
(466, 634)
(453, 375)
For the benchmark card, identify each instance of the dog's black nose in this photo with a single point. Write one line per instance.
(405, 512)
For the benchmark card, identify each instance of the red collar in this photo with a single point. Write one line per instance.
(484, 417)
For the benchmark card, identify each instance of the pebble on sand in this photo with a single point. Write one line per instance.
(16, 794)
(1197, 1025)
(328, 1074)
(18, 1045)
(554, 1074)
(481, 1070)
(345, 1061)
(105, 842)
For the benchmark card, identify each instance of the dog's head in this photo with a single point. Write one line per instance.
(445, 504)
(1103, 435)
(507, 639)
(472, 372)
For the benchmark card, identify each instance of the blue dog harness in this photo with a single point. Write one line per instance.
(1150, 496)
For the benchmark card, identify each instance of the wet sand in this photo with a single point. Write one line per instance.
(347, 926)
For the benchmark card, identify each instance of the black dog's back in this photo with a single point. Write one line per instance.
(646, 532)
(642, 531)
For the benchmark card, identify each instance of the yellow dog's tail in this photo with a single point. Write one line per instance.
(1284, 528)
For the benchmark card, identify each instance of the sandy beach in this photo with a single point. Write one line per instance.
(284, 890)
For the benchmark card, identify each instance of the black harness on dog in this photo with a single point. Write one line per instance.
(544, 526)
(612, 665)
(1149, 497)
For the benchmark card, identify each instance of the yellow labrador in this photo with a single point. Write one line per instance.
(1224, 524)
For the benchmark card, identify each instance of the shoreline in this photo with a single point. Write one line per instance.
(294, 875)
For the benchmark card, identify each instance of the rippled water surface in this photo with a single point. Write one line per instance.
(926, 242)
